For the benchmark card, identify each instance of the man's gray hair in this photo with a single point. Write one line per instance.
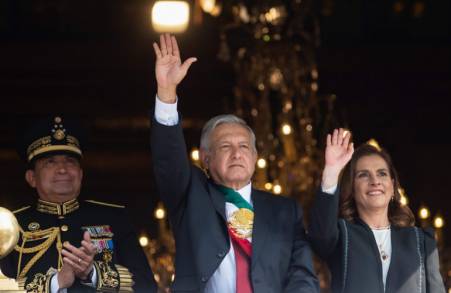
(223, 119)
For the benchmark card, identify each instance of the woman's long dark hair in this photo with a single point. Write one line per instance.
(399, 215)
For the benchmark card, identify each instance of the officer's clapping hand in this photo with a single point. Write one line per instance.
(81, 259)
(66, 276)
(169, 70)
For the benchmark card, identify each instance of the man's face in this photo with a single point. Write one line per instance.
(56, 178)
(231, 157)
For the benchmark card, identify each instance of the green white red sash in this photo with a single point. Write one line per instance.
(240, 221)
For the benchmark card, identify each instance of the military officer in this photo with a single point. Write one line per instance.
(67, 245)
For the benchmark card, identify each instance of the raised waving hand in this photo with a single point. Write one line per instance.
(169, 69)
(338, 152)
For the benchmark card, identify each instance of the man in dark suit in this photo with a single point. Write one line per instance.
(229, 236)
(67, 245)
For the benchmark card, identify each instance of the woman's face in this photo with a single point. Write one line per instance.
(373, 184)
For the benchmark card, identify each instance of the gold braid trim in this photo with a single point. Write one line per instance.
(54, 208)
(51, 234)
(108, 278)
(21, 209)
(41, 282)
(125, 279)
(105, 203)
(21, 283)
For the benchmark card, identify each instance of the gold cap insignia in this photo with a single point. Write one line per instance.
(59, 134)
(58, 131)
(51, 135)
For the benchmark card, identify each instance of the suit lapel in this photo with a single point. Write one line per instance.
(392, 269)
(262, 213)
(218, 200)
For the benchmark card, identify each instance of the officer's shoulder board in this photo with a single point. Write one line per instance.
(21, 209)
(105, 203)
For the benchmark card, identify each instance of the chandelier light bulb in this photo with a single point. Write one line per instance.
(277, 189)
(208, 6)
(268, 185)
(170, 16)
(261, 163)
(424, 213)
(286, 129)
(374, 143)
(143, 241)
(439, 222)
(160, 213)
(195, 155)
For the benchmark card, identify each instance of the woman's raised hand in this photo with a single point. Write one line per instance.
(338, 152)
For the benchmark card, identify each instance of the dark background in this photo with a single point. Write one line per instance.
(388, 63)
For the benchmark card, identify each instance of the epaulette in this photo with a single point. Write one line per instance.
(21, 209)
(105, 203)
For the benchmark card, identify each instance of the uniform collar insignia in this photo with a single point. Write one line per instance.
(59, 209)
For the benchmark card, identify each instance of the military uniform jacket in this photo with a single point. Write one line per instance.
(119, 262)
(351, 252)
(281, 258)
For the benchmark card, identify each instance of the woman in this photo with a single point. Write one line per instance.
(362, 231)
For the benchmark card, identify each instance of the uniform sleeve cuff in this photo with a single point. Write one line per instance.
(54, 286)
(92, 279)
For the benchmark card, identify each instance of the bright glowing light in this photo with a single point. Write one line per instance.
(261, 163)
(195, 155)
(208, 6)
(286, 129)
(374, 143)
(424, 213)
(288, 106)
(143, 241)
(439, 222)
(276, 77)
(216, 10)
(170, 16)
(268, 185)
(160, 213)
(277, 189)
(403, 200)
(273, 14)
(156, 277)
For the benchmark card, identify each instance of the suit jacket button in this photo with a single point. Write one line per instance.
(64, 228)
(220, 254)
(204, 279)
